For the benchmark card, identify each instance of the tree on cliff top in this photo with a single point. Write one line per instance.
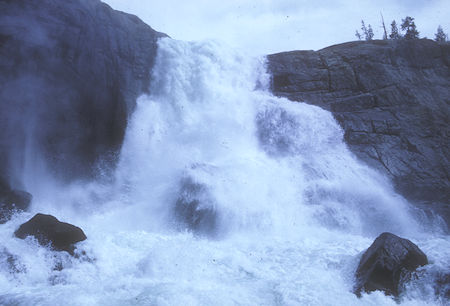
(440, 36)
(410, 27)
(367, 31)
(369, 35)
(394, 31)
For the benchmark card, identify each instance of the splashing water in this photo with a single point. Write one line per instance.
(223, 195)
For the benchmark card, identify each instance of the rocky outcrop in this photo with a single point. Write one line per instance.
(392, 100)
(387, 263)
(12, 201)
(49, 231)
(70, 72)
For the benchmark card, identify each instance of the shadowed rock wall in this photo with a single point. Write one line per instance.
(70, 73)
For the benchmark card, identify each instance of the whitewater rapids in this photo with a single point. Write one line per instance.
(289, 209)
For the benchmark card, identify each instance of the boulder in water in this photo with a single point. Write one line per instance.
(49, 230)
(194, 209)
(386, 263)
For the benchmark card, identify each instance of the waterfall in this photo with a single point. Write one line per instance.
(211, 136)
(224, 194)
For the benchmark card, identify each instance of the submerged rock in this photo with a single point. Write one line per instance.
(12, 201)
(387, 263)
(10, 262)
(442, 286)
(194, 209)
(48, 230)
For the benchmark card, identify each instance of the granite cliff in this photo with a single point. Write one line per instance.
(70, 73)
(392, 99)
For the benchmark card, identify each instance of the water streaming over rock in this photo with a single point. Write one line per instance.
(224, 194)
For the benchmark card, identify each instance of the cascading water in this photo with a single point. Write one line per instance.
(223, 195)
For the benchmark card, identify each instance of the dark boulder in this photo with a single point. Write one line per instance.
(194, 209)
(387, 263)
(391, 99)
(70, 73)
(48, 230)
(12, 201)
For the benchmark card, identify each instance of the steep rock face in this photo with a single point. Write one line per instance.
(392, 100)
(70, 72)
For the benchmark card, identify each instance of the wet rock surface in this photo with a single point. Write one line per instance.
(391, 98)
(48, 230)
(194, 209)
(70, 72)
(387, 263)
(12, 201)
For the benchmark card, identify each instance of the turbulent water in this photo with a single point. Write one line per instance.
(223, 195)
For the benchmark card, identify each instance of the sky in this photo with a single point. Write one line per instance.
(270, 26)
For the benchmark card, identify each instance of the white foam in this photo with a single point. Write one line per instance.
(295, 208)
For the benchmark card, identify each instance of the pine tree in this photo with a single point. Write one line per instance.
(369, 35)
(394, 31)
(367, 31)
(440, 36)
(363, 28)
(358, 35)
(410, 27)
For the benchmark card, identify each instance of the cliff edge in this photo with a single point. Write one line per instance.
(392, 98)
(70, 73)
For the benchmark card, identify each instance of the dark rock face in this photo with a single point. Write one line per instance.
(392, 100)
(194, 209)
(12, 201)
(70, 72)
(387, 263)
(48, 230)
